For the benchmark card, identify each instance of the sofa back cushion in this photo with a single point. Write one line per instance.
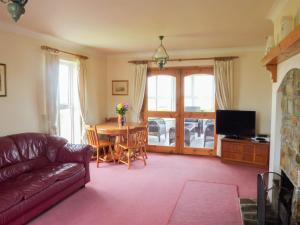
(9, 153)
(54, 143)
(22, 153)
(30, 145)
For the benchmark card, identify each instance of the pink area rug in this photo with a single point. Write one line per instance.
(207, 204)
(143, 195)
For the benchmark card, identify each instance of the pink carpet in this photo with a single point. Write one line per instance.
(143, 195)
(207, 204)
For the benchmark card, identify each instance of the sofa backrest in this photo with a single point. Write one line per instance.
(30, 145)
(22, 153)
(12, 163)
(54, 144)
(9, 153)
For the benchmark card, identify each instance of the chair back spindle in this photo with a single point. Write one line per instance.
(92, 136)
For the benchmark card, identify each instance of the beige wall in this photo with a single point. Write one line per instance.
(23, 108)
(253, 89)
(252, 81)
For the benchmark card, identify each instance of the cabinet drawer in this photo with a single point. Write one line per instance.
(262, 150)
(261, 154)
(248, 153)
(261, 160)
(231, 147)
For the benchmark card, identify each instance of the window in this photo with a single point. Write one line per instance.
(69, 107)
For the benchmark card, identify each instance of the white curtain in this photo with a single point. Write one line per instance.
(82, 89)
(139, 87)
(224, 82)
(51, 88)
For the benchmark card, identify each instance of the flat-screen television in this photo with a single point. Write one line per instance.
(235, 123)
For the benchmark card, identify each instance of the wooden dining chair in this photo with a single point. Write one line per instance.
(99, 145)
(132, 148)
(111, 119)
(142, 139)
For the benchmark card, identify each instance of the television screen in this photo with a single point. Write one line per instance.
(235, 123)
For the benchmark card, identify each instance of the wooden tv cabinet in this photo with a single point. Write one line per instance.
(245, 152)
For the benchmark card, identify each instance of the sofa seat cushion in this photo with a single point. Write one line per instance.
(38, 180)
(17, 169)
(26, 185)
(34, 183)
(9, 196)
(62, 171)
(30, 183)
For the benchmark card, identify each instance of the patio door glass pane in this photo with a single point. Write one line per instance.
(199, 111)
(162, 131)
(199, 93)
(162, 93)
(199, 133)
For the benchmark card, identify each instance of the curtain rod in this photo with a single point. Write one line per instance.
(44, 47)
(188, 59)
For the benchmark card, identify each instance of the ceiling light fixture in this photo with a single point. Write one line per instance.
(16, 8)
(161, 56)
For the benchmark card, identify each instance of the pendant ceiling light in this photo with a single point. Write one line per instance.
(16, 8)
(161, 56)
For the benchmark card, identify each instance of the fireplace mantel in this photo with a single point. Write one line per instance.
(287, 48)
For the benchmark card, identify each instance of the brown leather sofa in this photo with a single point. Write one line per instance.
(36, 172)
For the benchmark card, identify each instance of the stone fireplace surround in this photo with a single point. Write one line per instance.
(285, 128)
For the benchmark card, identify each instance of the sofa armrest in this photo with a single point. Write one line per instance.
(76, 154)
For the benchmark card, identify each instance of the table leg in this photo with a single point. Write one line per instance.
(117, 148)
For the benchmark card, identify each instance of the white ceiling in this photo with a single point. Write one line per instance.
(133, 25)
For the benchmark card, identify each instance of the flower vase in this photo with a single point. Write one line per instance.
(121, 120)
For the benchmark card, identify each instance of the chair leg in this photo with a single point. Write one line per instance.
(120, 155)
(97, 160)
(112, 154)
(145, 152)
(105, 153)
(143, 156)
(129, 158)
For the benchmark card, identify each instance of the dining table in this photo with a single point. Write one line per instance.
(113, 129)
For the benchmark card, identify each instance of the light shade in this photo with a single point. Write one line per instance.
(161, 56)
(16, 8)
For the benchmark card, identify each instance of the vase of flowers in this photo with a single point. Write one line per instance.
(121, 110)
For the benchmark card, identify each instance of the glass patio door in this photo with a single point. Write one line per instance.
(180, 110)
(198, 111)
(162, 106)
